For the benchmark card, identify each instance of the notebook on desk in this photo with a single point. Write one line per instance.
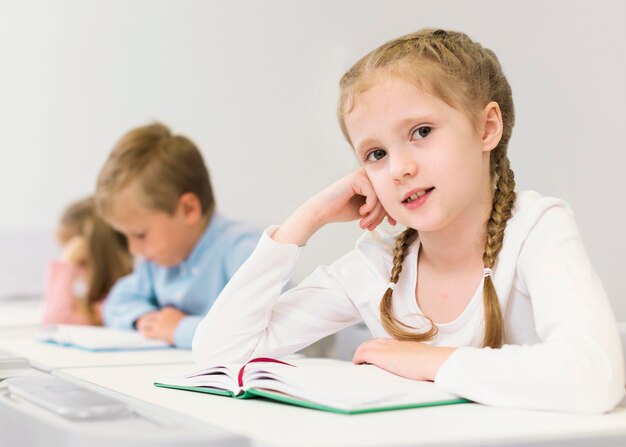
(98, 339)
(328, 385)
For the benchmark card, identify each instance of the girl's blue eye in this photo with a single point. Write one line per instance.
(376, 154)
(420, 132)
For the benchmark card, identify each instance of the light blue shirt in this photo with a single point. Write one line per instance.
(191, 286)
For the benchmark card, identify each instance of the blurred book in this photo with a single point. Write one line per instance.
(98, 338)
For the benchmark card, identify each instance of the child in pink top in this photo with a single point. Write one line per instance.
(94, 258)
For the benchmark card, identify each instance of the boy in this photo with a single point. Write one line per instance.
(155, 189)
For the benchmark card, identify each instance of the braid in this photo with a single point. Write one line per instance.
(503, 202)
(392, 325)
(400, 251)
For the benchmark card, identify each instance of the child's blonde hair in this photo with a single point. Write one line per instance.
(466, 76)
(166, 166)
(107, 251)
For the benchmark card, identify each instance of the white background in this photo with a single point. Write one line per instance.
(254, 84)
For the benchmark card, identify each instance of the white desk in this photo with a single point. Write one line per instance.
(48, 357)
(23, 423)
(272, 424)
(131, 374)
(20, 323)
(20, 312)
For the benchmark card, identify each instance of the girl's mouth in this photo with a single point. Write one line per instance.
(417, 195)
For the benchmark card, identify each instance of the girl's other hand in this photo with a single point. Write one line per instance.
(410, 359)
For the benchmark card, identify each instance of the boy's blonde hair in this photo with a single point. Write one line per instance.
(107, 252)
(165, 165)
(466, 76)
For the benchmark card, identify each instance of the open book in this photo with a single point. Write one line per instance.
(328, 385)
(97, 338)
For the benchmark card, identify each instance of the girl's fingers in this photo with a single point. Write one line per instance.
(378, 214)
(372, 210)
(369, 218)
(359, 356)
(366, 352)
(364, 188)
(375, 218)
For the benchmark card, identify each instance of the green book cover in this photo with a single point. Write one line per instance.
(321, 384)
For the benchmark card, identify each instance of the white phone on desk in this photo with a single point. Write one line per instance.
(66, 399)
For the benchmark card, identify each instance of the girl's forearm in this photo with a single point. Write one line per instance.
(300, 226)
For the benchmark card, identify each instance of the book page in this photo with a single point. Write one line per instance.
(343, 385)
(97, 338)
(219, 377)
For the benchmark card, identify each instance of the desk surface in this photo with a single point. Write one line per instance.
(20, 323)
(19, 312)
(272, 424)
(48, 357)
(275, 424)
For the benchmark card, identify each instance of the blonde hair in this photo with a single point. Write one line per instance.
(107, 251)
(166, 166)
(466, 76)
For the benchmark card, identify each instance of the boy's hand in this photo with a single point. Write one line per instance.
(160, 324)
(410, 359)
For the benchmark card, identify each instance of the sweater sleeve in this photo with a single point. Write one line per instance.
(252, 318)
(578, 366)
(60, 306)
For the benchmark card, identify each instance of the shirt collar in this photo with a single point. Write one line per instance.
(207, 239)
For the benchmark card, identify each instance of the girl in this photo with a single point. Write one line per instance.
(429, 116)
(94, 257)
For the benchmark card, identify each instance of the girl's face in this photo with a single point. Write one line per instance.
(424, 158)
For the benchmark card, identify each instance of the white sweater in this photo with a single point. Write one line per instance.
(563, 349)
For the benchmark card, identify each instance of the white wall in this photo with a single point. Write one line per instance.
(254, 83)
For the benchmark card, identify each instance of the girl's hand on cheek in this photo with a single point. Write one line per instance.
(410, 359)
(350, 198)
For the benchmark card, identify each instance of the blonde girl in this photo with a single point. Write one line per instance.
(94, 257)
(484, 290)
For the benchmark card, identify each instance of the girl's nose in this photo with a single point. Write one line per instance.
(403, 165)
